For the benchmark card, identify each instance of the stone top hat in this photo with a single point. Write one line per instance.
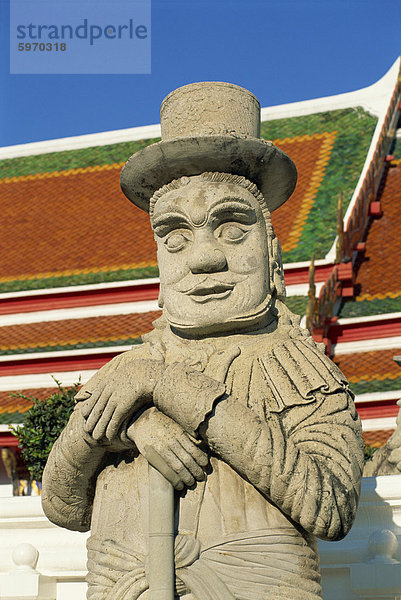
(209, 126)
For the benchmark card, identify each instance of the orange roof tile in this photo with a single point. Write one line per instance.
(74, 332)
(377, 438)
(365, 366)
(311, 155)
(379, 275)
(71, 222)
(15, 404)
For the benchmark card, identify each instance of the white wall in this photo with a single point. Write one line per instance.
(366, 564)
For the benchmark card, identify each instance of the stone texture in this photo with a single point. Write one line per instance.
(228, 398)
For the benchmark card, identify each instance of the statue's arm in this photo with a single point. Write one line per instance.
(307, 460)
(105, 405)
(69, 477)
(310, 470)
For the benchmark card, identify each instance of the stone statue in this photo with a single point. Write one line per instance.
(387, 460)
(227, 397)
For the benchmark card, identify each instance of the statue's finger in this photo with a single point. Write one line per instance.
(197, 454)
(154, 458)
(96, 383)
(114, 423)
(82, 395)
(97, 410)
(89, 397)
(92, 419)
(188, 461)
(107, 416)
(88, 405)
(178, 467)
(85, 408)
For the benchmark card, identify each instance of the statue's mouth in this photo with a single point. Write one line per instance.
(201, 285)
(210, 291)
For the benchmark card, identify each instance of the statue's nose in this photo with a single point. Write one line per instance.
(207, 259)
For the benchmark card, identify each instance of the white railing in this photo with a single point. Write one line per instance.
(40, 561)
(367, 563)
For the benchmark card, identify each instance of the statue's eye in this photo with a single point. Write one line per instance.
(232, 233)
(175, 241)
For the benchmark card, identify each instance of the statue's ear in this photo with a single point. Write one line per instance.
(276, 268)
(160, 300)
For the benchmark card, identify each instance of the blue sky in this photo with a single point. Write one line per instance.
(283, 51)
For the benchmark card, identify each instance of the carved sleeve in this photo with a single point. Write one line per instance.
(307, 458)
(308, 464)
(69, 477)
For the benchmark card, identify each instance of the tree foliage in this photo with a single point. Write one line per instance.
(43, 424)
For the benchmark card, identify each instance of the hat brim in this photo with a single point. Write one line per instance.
(258, 160)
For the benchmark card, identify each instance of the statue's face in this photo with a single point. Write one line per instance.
(212, 254)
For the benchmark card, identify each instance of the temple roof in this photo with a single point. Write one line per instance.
(68, 334)
(378, 275)
(77, 258)
(377, 438)
(371, 371)
(70, 223)
(329, 150)
(14, 406)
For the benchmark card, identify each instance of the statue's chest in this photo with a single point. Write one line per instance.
(245, 380)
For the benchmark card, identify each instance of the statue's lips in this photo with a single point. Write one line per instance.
(205, 292)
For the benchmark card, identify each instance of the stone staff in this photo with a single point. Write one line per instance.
(160, 571)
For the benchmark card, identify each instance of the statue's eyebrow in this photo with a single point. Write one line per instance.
(169, 220)
(232, 200)
(234, 207)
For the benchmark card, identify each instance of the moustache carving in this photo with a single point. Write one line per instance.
(192, 283)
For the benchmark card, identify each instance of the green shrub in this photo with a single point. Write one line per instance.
(368, 451)
(43, 424)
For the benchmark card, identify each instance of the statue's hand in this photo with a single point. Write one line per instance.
(220, 362)
(188, 396)
(110, 401)
(168, 448)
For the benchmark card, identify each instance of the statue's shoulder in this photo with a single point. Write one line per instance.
(296, 369)
(141, 351)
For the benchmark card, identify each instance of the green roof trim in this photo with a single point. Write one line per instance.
(71, 159)
(354, 123)
(367, 308)
(376, 385)
(15, 417)
(80, 346)
(81, 279)
(396, 149)
(355, 129)
(297, 304)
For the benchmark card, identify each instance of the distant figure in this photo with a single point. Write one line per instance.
(387, 460)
